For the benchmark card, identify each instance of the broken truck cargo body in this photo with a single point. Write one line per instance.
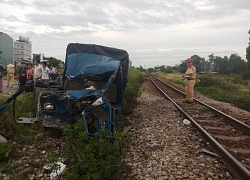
(94, 80)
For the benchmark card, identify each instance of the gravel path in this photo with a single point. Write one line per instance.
(163, 147)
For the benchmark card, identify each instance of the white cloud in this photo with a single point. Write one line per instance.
(152, 31)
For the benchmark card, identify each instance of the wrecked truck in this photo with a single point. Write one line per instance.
(94, 81)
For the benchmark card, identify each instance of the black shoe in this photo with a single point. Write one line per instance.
(190, 102)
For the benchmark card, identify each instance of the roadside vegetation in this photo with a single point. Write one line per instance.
(87, 157)
(233, 89)
(230, 89)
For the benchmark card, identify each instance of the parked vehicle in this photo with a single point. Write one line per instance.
(94, 80)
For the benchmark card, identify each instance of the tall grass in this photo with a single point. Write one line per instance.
(132, 91)
(224, 88)
(23, 107)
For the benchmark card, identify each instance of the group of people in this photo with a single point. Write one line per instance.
(41, 71)
(28, 72)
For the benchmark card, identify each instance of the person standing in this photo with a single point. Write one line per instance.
(30, 72)
(29, 76)
(37, 74)
(10, 75)
(38, 70)
(190, 76)
(45, 72)
(55, 70)
(22, 74)
(54, 73)
(1, 77)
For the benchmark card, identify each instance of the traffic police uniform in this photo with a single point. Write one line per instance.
(190, 75)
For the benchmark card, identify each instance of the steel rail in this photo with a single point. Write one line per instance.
(244, 127)
(232, 164)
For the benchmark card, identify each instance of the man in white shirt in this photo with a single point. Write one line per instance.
(54, 73)
(37, 73)
(45, 72)
(54, 70)
(38, 70)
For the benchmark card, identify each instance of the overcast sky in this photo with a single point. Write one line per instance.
(154, 32)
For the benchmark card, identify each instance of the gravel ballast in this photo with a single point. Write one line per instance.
(163, 147)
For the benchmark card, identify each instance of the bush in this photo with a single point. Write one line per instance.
(224, 88)
(6, 124)
(178, 81)
(5, 151)
(236, 79)
(132, 92)
(241, 100)
(92, 157)
(208, 80)
(246, 75)
(24, 107)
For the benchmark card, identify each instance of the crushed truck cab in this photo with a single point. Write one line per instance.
(94, 81)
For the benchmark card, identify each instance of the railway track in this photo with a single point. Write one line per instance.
(228, 137)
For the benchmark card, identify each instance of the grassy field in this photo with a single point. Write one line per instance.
(230, 89)
(170, 76)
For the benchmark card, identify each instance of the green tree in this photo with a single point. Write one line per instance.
(236, 64)
(248, 57)
(53, 62)
(211, 58)
(176, 68)
(157, 68)
(198, 62)
(169, 69)
(162, 68)
(248, 53)
(151, 70)
(166, 69)
(183, 66)
(221, 64)
(217, 62)
(140, 68)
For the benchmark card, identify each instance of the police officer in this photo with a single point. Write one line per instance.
(190, 76)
